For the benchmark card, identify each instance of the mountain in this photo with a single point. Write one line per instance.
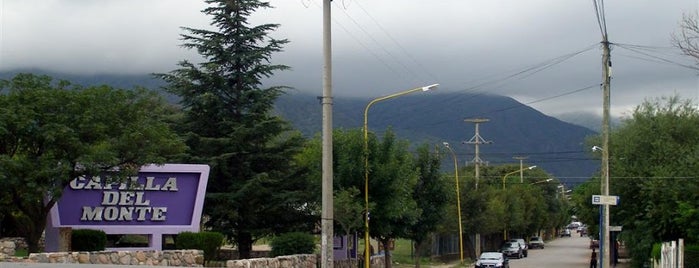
(514, 129)
(588, 120)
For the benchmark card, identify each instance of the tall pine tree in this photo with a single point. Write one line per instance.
(253, 189)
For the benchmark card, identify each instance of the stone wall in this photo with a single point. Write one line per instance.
(301, 261)
(7, 248)
(232, 254)
(186, 258)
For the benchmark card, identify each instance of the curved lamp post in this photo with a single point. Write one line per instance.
(504, 230)
(542, 181)
(458, 201)
(366, 163)
(513, 172)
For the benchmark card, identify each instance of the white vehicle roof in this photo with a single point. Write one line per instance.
(491, 255)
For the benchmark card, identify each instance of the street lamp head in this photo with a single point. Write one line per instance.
(532, 167)
(446, 144)
(430, 87)
(548, 180)
(596, 148)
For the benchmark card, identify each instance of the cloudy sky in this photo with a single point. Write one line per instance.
(544, 53)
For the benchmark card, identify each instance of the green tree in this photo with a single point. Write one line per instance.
(523, 208)
(654, 156)
(51, 133)
(583, 208)
(392, 178)
(431, 194)
(347, 212)
(255, 188)
(348, 177)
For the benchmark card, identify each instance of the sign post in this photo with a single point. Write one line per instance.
(611, 200)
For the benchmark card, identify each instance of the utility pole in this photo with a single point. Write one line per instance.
(605, 260)
(521, 167)
(477, 140)
(327, 235)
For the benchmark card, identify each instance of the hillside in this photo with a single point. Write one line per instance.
(515, 129)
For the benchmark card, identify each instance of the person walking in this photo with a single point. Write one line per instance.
(593, 259)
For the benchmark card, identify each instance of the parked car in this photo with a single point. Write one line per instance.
(536, 242)
(492, 260)
(565, 233)
(522, 244)
(512, 249)
(594, 243)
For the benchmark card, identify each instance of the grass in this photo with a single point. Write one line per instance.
(403, 256)
(21, 252)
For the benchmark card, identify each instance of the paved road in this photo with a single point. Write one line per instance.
(565, 252)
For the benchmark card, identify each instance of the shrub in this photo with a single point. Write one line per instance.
(187, 240)
(691, 256)
(209, 242)
(88, 240)
(292, 243)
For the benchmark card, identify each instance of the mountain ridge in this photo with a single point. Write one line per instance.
(515, 129)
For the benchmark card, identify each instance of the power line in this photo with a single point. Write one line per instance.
(412, 75)
(361, 43)
(657, 58)
(398, 44)
(519, 74)
(542, 99)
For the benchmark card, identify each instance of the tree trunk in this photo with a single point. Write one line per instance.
(418, 249)
(387, 253)
(244, 245)
(29, 228)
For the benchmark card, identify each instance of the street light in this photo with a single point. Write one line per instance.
(504, 230)
(513, 172)
(543, 181)
(458, 200)
(366, 162)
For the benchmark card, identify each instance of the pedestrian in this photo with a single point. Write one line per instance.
(593, 259)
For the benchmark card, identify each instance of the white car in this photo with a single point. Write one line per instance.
(522, 244)
(536, 242)
(492, 260)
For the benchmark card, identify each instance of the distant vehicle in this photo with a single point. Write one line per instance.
(492, 260)
(536, 242)
(512, 249)
(522, 244)
(565, 233)
(574, 225)
(594, 243)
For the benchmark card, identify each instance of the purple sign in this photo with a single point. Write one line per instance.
(164, 199)
(149, 199)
